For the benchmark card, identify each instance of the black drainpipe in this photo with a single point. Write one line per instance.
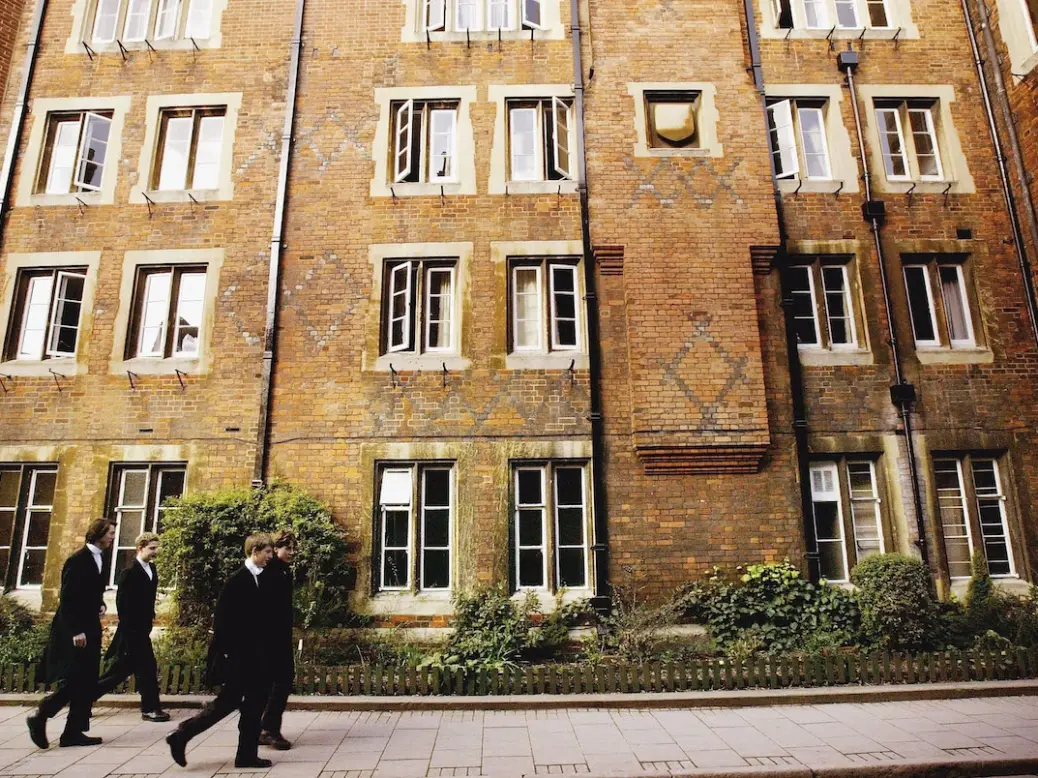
(259, 472)
(18, 120)
(901, 394)
(1014, 144)
(602, 599)
(796, 381)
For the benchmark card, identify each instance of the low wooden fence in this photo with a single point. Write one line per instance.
(835, 669)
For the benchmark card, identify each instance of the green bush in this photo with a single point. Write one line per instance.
(632, 630)
(490, 629)
(771, 608)
(181, 646)
(899, 610)
(202, 545)
(23, 635)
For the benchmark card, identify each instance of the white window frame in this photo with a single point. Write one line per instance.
(136, 10)
(820, 113)
(416, 291)
(90, 120)
(407, 548)
(60, 278)
(887, 12)
(855, 9)
(1029, 23)
(434, 15)
(177, 328)
(449, 308)
(30, 508)
(198, 26)
(783, 135)
(884, 143)
(508, 6)
(1000, 498)
(395, 290)
(403, 146)
(936, 342)
(848, 302)
(818, 344)
(108, 5)
(168, 8)
(185, 177)
(965, 514)
(556, 507)
(817, 496)
(543, 508)
(874, 499)
(927, 114)
(538, 144)
(75, 180)
(970, 340)
(452, 175)
(555, 318)
(525, 12)
(402, 150)
(822, 15)
(477, 10)
(560, 108)
(22, 352)
(538, 268)
(451, 500)
(160, 353)
(153, 476)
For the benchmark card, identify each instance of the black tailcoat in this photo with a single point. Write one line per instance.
(81, 598)
(136, 605)
(241, 641)
(277, 587)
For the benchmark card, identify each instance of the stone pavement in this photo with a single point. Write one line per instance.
(569, 741)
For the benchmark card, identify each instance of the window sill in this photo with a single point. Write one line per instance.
(819, 357)
(923, 187)
(41, 368)
(408, 189)
(406, 363)
(162, 45)
(816, 186)
(559, 360)
(148, 366)
(1011, 584)
(422, 604)
(565, 187)
(1025, 68)
(546, 599)
(180, 196)
(88, 198)
(871, 33)
(955, 356)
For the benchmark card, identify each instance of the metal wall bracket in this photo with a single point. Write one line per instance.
(56, 375)
(131, 375)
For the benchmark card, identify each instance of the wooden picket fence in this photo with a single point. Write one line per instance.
(833, 669)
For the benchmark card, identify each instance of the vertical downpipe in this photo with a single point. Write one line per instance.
(599, 502)
(259, 472)
(18, 120)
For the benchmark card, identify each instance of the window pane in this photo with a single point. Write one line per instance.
(847, 14)
(435, 569)
(834, 283)
(93, 152)
(570, 486)
(827, 521)
(954, 523)
(531, 567)
(438, 308)
(9, 483)
(783, 140)
(924, 137)
(527, 303)
(34, 320)
(33, 564)
(199, 19)
(803, 305)
(918, 288)
(208, 152)
(499, 13)
(530, 487)
(394, 569)
(155, 309)
(135, 489)
(812, 133)
(436, 531)
(169, 15)
(572, 568)
(571, 527)
(954, 298)
(63, 157)
(878, 13)
(138, 14)
(171, 484)
(467, 14)
(37, 528)
(175, 152)
(396, 528)
(106, 21)
(830, 560)
(815, 14)
(524, 144)
(531, 529)
(190, 303)
(437, 488)
(441, 145)
(396, 487)
(564, 306)
(991, 512)
(131, 524)
(43, 488)
(68, 303)
(891, 142)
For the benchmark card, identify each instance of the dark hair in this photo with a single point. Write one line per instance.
(98, 529)
(285, 538)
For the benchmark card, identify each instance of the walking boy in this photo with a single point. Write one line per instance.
(238, 659)
(277, 579)
(74, 647)
(131, 646)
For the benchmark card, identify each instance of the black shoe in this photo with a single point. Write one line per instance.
(38, 730)
(254, 761)
(274, 740)
(155, 715)
(177, 743)
(78, 739)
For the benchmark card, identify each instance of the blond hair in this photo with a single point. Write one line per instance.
(260, 540)
(145, 539)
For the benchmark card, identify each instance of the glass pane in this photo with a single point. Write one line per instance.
(878, 13)
(530, 487)
(567, 333)
(531, 530)
(32, 568)
(5, 560)
(94, 152)
(37, 528)
(953, 516)
(571, 568)
(958, 551)
(860, 475)
(135, 489)
(63, 157)
(171, 484)
(43, 487)
(396, 528)
(437, 488)
(6, 530)
(208, 152)
(154, 313)
(570, 485)
(131, 524)
(919, 304)
(124, 558)
(827, 521)
(531, 568)
(436, 569)
(175, 152)
(394, 571)
(9, 482)
(954, 308)
(524, 144)
(830, 559)
(436, 532)
(571, 527)
(565, 302)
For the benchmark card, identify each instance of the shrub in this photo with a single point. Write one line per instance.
(771, 608)
(490, 630)
(981, 599)
(897, 602)
(202, 546)
(632, 628)
(23, 635)
(181, 646)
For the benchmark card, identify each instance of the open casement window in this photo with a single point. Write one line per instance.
(798, 140)
(532, 14)
(829, 319)
(816, 14)
(189, 149)
(952, 326)
(136, 494)
(168, 310)
(418, 306)
(47, 311)
(26, 509)
(912, 155)
(847, 17)
(545, 317)
(539, 140)
(136, 21)
(782, 13)
(74, 153)
(845, 504)
(954, 513)
(434, 15)
(415, 527)
(425, 142)
(878, 13)
(827, 14)
(550, 529)
(673, 118)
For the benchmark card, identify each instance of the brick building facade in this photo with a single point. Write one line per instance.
(531, 329)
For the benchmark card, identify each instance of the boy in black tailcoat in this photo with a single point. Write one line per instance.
(277, 581)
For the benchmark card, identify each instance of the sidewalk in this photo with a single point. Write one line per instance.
(993, 736)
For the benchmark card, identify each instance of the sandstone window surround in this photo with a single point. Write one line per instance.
(675, 119)
(913, 141)
(415, 524)
(828, 310)
(1018, 26)
(840, 19)
(973, 510)
(188, 148)
(27, 498)
(163, 24)
(551, 526)
(136, 492)
(809, 140)
(415, 122)
(48, 312)
(166, 312)
(73, 152)
(535, 145)
(847, 513)
(463, 21)
(419, 310)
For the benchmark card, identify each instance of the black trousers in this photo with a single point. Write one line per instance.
(283, 678)
(138, 661)
(245, 694)
(76, 690)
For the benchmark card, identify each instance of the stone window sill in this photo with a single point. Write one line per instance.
(66, 368)
(834, 357)
(871, 34)
(921, 187)
(421, 604)
(816, 186)
(184, 195)
(184, 44)
(955, 356)
(559, 360)
(408, 189)
(49, 200)
(412, 363)
(540, 187)
(148, 366)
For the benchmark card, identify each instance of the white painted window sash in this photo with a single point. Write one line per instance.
(556, 317)
(208, 152)
(106, 21)
(963, 300)
(154, 314)
(423, 586)
(825, 488)
(33, 331)
(848, 310)
(168, 19)
(434, 15)
(199, 19)
(559, 547)
(138, 15)
(400, 289)
(468, 15)
(847, 15)
(61, 299)
(812, 123)
(560, 132)
(30, 508)
(122, 508)
(816, 14)
(176, 152)
(443, 144)
(862, 504)
(536, 315)
(889, 154)
(957, 497)
(783, 140)
(387, 507)
(931, 134)
(525, 146)
(446, 300)
(188, 305)
(809, 272)
(532, 14)
(500, 15)
(1030, 22)
(542, 507)
(63, 156)
(931, 308)
(999, 497)
(402, 142)
(93, 127)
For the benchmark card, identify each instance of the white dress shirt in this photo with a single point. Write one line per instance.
(146, 566)
(97, 555)
(254, 569)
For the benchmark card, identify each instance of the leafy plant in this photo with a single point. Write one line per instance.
(202, 545)
(181, 646)
(23, 635)
(490, 629)
(899, 610)
(633, 628)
